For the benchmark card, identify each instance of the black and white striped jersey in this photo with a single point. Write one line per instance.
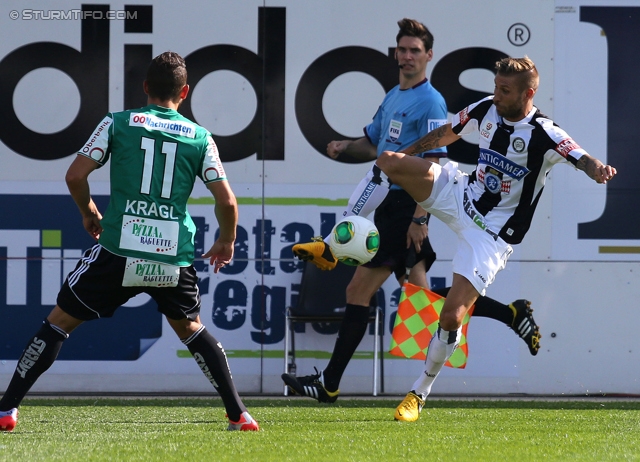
(514, 160)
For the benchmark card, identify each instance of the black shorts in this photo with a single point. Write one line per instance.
(392, 218)
(94, 289)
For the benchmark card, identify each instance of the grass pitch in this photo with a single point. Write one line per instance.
(300, 429)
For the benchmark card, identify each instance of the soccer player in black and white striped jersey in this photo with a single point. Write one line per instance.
(491, 209)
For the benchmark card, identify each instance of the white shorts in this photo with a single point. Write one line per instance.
(481, 253)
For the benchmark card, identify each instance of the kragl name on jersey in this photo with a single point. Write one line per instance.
(151, 122)
(143, 208)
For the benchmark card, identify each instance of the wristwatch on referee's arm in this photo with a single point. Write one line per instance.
(421, 220)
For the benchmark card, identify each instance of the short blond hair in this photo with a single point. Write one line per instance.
(524, 68)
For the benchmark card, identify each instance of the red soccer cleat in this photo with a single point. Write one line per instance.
(246, 423)
(8, 420)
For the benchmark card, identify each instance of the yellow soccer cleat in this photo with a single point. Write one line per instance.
(317, 252)
(409, 409)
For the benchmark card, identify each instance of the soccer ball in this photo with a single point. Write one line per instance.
(354, 240)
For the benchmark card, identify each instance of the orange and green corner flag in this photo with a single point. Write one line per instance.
(417, 321)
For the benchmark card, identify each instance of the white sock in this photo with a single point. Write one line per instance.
(368, 195)
(442, 346)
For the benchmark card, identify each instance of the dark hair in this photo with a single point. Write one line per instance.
(166, 76)
(413, 28)
(524, 68)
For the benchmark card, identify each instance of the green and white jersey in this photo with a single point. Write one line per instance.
(156, 155)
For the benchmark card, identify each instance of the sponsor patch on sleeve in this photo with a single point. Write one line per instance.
(464, 116)
(97, 145)
(212, 169)
(565, 146)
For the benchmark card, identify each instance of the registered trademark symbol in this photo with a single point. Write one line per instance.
(519, 34)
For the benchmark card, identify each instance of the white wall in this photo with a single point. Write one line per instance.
(584, 296)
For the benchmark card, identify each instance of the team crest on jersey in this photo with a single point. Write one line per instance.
(492, 182)
(502, 164)
(395, 129)
(518, 144)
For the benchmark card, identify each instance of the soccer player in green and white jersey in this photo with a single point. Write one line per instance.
(146, 236)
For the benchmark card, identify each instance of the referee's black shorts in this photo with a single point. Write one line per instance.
(94, 289)
(392, 218)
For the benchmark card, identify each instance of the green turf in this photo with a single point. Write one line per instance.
(193, 429)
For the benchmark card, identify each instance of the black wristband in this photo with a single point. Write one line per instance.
(420, 220)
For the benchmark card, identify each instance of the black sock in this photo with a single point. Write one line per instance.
(486, 307)
(490, 308)
(212, 360)
(40, 353)
(442, 291)
(352, 330)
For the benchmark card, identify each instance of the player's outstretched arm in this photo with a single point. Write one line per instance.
(78, 184)
(441, 136)
(226, 210)
(595, 169)
(360, 149)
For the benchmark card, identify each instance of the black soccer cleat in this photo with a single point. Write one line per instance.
(525, 326)
(311, 386)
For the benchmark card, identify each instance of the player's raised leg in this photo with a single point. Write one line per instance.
(517, 315)
(413, 174)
